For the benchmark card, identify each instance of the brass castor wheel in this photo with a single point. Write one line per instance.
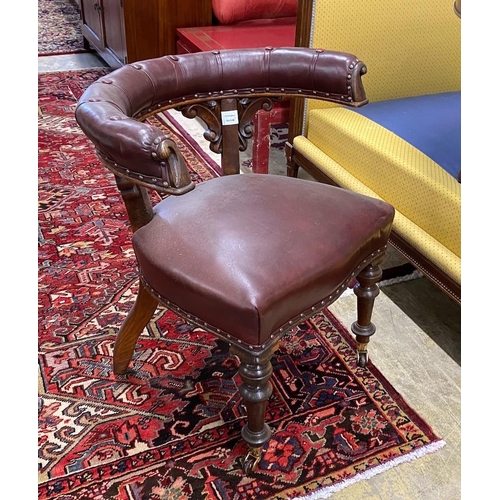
(362, 358)
(251, 459)
(362, 353)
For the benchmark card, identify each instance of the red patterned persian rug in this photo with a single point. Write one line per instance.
(59, 28)
(170, 428)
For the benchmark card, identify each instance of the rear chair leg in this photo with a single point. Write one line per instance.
(135, 322)
(366, 290)
(255, 371)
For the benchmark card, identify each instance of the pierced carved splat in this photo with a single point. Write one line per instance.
(247, 107)
(210, 113)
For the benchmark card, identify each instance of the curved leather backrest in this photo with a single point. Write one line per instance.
(111, 110)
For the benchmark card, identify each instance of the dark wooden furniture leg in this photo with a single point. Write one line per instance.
(366, 290)
(255, 371)
(135, 322)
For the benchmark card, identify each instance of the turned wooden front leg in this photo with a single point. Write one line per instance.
(255, 372)
(366, 291)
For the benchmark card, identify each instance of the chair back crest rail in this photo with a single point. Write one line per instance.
(224, 88)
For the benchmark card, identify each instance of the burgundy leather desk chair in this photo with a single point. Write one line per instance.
(246, 257)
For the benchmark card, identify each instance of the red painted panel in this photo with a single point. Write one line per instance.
(239, 36)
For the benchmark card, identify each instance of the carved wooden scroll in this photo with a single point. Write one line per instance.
(210, 113)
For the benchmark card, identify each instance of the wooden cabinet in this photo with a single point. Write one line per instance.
(92, 27)
(125, 31)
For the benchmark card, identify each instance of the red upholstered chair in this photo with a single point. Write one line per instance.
(246, 257)
(241, 11)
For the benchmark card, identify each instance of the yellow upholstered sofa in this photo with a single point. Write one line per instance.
(412, 54)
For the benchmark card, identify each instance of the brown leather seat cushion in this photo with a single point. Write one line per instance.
(247, 253)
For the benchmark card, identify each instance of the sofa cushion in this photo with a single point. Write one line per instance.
(431, 123)
(394, 170)
(428, 245)
(234, 11)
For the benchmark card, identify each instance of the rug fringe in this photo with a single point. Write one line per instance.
(329, 490)
(72, 70)
(400, 279)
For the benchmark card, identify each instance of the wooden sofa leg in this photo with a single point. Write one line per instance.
(135, 322)
(366, 290)
(255, 371)
(292, 169)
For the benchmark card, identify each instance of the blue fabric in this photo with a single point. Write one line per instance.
(431, 123)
